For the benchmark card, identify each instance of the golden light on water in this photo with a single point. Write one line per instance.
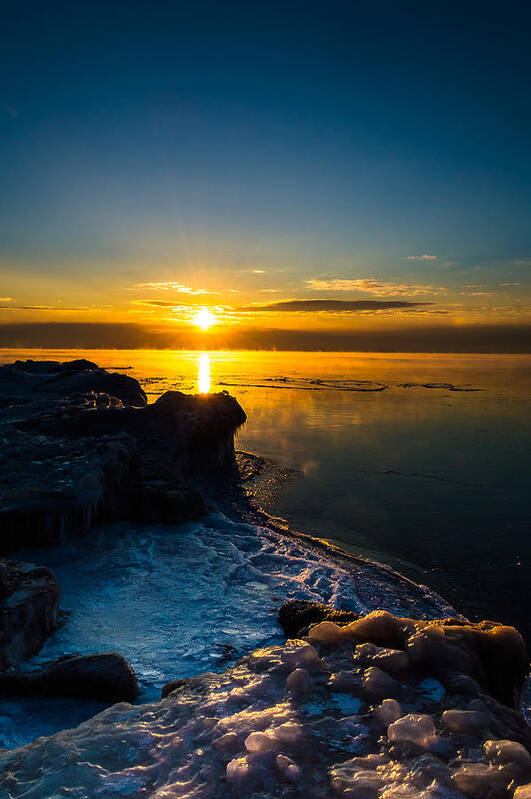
(204, 319)
(203, 373)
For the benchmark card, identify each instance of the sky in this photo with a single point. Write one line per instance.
(308, 172)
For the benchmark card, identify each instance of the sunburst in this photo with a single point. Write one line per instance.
(204, 319)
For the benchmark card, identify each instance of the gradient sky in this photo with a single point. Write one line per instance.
(157, 156)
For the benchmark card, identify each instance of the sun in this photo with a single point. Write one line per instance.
(204, 319)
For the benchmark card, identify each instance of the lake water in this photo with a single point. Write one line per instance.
(419, 461)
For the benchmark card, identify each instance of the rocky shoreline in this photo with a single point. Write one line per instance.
(351, 705)
(81, 446)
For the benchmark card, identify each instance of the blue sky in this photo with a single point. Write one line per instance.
(249, 150)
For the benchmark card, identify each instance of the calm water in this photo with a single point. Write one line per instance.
(434, 481)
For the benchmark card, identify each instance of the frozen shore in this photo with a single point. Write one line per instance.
(389, 706)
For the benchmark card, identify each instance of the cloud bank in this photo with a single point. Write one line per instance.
(434, 338)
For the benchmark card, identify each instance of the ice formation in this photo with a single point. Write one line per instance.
(247, 732)
(241, 573)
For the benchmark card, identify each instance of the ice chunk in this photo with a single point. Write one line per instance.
(388, 712)
(344, 682)
(227, 743)
(299, 681)
(288, 733)
(258, 742)
(380, 625)
(479, 780)
(465, 721)
(288, 768)
(508, 753)
(237, 773)
(388, 659)
(379, 684)
(298, 653)
(418, 729)
(326, 633)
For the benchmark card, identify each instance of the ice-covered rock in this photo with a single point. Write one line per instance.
(242, 733)
(415, 728)
(106, 676)
(481, 780)
(299, 681)
(493, 655)
(388, 712)
(29, 610)
(465, 721)
(288, 768)
(392, 660)
(508, 753)
(299, 653)
(377, 684)
(345, 682)
(77, 460)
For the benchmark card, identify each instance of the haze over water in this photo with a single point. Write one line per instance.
(391, 461)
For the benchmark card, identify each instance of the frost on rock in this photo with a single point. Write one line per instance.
(247, 733)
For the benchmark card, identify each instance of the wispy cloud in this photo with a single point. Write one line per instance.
(424, 257)
(172, 286)
(509, 284)
(40, 307)
(334, 306)
(380, 288)
(271, 291)
(159, 304)
(477, 293)
(253, 271)
(6, 299)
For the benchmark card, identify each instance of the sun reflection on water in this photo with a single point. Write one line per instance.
(203, 373)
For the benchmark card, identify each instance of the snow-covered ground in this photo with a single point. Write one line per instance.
(178, 601)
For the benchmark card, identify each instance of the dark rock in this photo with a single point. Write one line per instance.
(201, 682)
(297, 616)
(29, 610)
(82, 453)
(37, 379)
(106, 676)
(157, 504)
